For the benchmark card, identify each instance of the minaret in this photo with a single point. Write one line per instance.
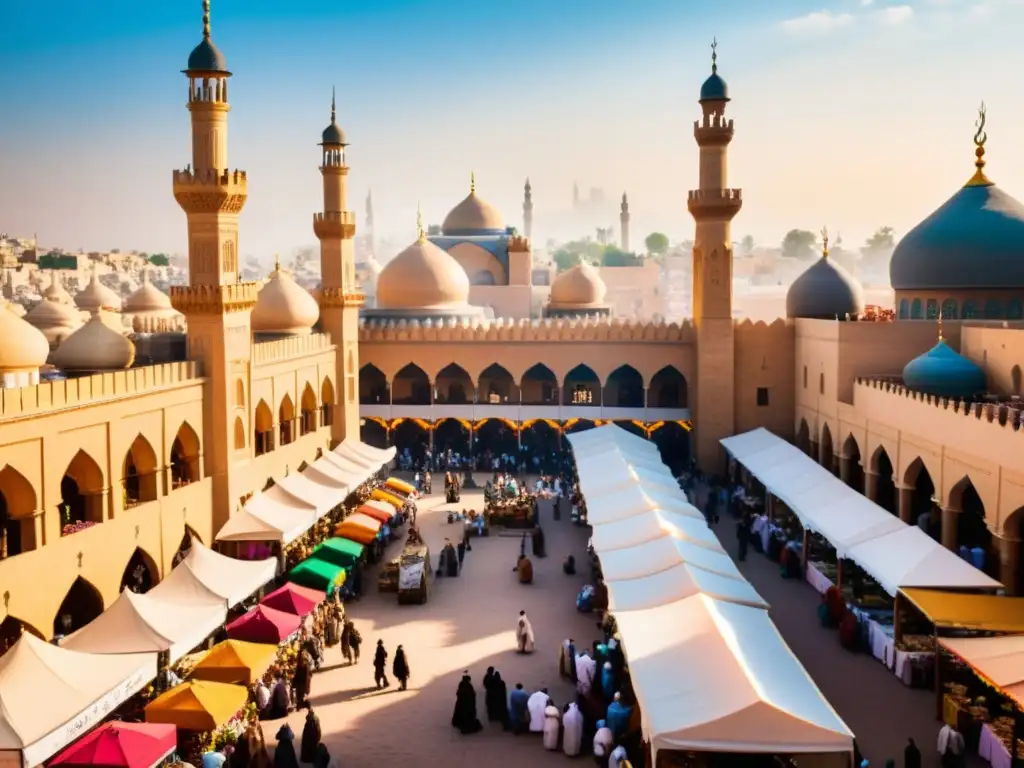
(370, 232)
(575, 195)
(340, 298)
(624, 223)
(528, 210)
(215, 303)
(713, 206)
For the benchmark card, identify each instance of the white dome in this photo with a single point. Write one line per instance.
(283, 306)
(96, 296)
(96, 346)
(422, 276)
(24, 347)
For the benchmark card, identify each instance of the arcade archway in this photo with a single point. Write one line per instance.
(82, 603)
(17, 512)
(673, 441)
(624, 388)
(454, 386)
(885, 488)
(497, 387)
(573, 426)
(185, 546)
(372, 432)
(327, 402)
(539, 386)
(825, 452)
(373, 386)
(667, 389)
(972, 532)
(185, 456)
(803, 437)
(263, 426)
(81, 494)
(141, 574)
(632, 427)
(286, 420)
(494, 437)
(541, 441)
(451, 435)
(412, 437)
(11, 629)
(922, 497)
(308, 408)
(582, 387)
(139, 473)
(852, 461)
(411, 386)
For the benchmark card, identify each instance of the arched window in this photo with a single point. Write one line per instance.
(916, 310)
(264, 429)
(932, 310)
(1015, 379)
(993, 309)
(949, 309)
(904, 309)
(240, 393)
(970, 310)
(1014, 310)
(184, 456)
(308, 423)
(239, 434)
(286, 420)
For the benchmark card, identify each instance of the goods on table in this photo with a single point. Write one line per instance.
(917, 644)
(413, 570)
(387, 580)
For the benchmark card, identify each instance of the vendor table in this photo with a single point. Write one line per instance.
(905, 663)
(883, 643)
(992, 749)
(817, 579)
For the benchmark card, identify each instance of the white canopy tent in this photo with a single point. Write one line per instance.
(326, 472)
(272, 515)
(305, 488)
(649, 526)
(609, 433)
(231, 579)
(587, 458)
(614, 461)
(635, 500)
(353, 462)
(381, 456)
(658, 555)
(678, 583)
(712, 676)
(1000, 659)
(616, 479)
(50, 696)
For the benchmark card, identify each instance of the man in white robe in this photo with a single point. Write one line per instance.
(586, 668)
(572, 735)
(552, 726)
(617, 757)
(524, 634)
(603, 743)
(536, 705)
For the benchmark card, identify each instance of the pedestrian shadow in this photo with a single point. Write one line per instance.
(352, 694)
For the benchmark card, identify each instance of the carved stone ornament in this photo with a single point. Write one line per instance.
(210, 202)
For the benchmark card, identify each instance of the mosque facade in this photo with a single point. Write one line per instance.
(117, 449)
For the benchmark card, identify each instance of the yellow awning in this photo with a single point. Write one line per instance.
(969, 611)
(235, 662)
(198, 705)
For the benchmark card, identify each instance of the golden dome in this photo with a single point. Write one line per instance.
(25, 348)
(474, 215)
(422, 276)
(578, 287)
(17, 309)
(56, 292)
(95, 347)
(96, 296)
(284, 306)
(148, 298)
(51, 313)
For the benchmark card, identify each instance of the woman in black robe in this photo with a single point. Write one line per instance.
(496, 698)
(464, 717)
(323, 757)
(400, 668)
(538, 542)
(311, 735)
(451, 560)
(284, 755)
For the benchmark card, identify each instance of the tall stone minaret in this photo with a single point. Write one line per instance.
(575, 196)
(216, 304)
(528, 210)
(713, 206)
(340, 298)
(370, 231)
(624, 223)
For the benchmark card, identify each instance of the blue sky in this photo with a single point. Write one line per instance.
(848, 113)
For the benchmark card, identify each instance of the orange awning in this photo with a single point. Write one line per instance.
(235, 662)
(382, 495)
(400, 485)
(963, 610)
(198, 705)
(376, 513)
(358, 527)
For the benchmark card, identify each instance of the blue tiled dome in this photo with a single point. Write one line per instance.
(825, 291)
(941, 371)
(714, 89)
(333, 135)
(205, 57)
(975, 240)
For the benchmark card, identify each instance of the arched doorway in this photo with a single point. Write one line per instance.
(494, 437)
(263, 426)
(825, 449)
(286, 419)
(497, 387)
(141, 574)
(539, 386)
(624, 388)
(451, 435)
(541, 443)
(81, 604)
(17, 513)
(11, 630)
(185, 456)
(372, 432)
(411, 438)
(185, 546)
(851, 459)
(582, 387)
(454, 386)
(922, 498)
(308, 408)
(972, 533)
(411, 386)
(667, 389)
(803, 437)
(327, 402)
(139, 473)
(885, 488)
(81, 494)
(373, 386)
(673, 440)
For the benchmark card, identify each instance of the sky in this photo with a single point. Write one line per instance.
(850, 114)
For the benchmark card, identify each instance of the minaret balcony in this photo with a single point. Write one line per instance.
(211, 190)
(713, 131)
(334, 225)
(714, 204)
(214, 299)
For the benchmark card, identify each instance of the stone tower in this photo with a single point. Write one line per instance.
(340, 298)
(528, 210)
(370, 231)
(624, 223)
(713, 206)
(216, 303)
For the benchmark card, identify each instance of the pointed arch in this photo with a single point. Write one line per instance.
(11, 630)
(140, 574)
(286, 419)
(963, 495)
(82, 603)
(373, 386)
(239, 434)
(624, 388)
(972, 529)
(667, 389)
(18, 505)
(139, 473)
(82, 494)
(185, 452)
(327, 402)
(240, 393)
(308, 407)
(582, 387)
(454, 386)
(884, 487)
(803, 437)
(539, 386)
(263, 428)
(850, 464)
(826, 449)
(411, 386)
(922, 499)
(497, 387)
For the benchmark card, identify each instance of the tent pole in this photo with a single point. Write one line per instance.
(897, 615)
(938, 679)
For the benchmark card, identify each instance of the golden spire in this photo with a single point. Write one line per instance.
(421, 236)
(206, 19)
(472, 182)
(714, 55)
(824, 242)
(979, 179)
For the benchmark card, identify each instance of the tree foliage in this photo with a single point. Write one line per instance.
(616, 257)
(747, 245)
(884, 239)
(799, 244)
(656, 243)
(159, 259)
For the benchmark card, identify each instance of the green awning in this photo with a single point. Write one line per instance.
(317, 574)
(339, 551)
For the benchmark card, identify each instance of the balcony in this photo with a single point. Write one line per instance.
(520, 413)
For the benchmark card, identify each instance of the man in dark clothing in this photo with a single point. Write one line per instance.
(743, 537)
(462, 552)
(380, 661)
(911, 755)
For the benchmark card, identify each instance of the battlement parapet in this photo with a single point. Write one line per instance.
(214, 299)
(713, 130)
(334, 225)
(518, 244)
(211, 191)
(211, 176)
(714, 203)
(1002, 415)
(335, 298)
(277, 350)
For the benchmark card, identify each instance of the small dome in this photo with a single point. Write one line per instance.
(25, 348)
(579, 287)
(56, 292)
(283, 306)
(944, 373)
(824, 291)
(205, 57)
(714, 89)
(333, 135)
(96, 296)
(473, 216)
(49, 313)
(422, 276)
(148, 298)
(95, 347)
(975, 240)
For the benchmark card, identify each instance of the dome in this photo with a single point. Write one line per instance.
(95, 347)
(579, 287)
(283, 306)
(824, 291)
(17, 309)
(97, 296)
(206, 57)
(944, 373)
(148, 298)
(473, 216)
(49, 313)
(422, 276)
(56, 292)
(714, 88)
(25, 348)
(332, 133)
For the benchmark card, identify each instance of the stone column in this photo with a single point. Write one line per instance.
(870, 484)
(906, 503)
(1009, 563)
(844, 469)
(813, 453)
(949, 528)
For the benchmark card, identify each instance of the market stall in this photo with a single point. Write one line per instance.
(52, 696)
(294, 598)
(610, 481)
(675, 583)
(650, 526)
(120, 745)
(380, 456)
(318, 574)
(345, 451)
(359, 528)
(231, 579)
(379, 494)
(323, 497)
(344, 553)
(404, 489)
(662, 553)
(357, 469)
(198, 705)
(327, 472)
(379, 510)
(235, 662)
(272, 515)
(264, 625)
(636, 500)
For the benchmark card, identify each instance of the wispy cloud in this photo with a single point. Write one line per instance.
(866, 3)
(894, 15)
(818, 22)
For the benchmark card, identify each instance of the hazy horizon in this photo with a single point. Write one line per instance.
(852, 114)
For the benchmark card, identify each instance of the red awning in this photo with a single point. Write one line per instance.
(120, 745)
(291, 598)
(264, 625)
